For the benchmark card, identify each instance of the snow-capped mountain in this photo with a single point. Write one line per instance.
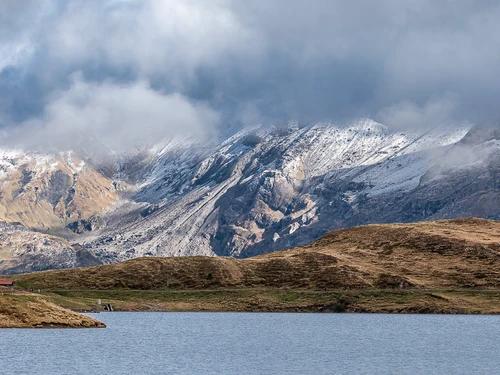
(268, 189)
(263, 189)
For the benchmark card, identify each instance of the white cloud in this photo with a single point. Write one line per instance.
(15, 53)
(18, 22)
(150, 38)
(258, 61)
(114, 116)
(435, 112)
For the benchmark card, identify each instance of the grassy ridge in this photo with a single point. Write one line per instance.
(376, 268)
(452, 254)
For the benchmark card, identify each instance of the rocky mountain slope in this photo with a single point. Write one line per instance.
(258, 191)
(269, 189)
(23, 250)
(51, 191)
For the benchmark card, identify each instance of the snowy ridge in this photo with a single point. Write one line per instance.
(262, 189)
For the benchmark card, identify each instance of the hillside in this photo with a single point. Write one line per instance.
(32, 311)
(456, 254)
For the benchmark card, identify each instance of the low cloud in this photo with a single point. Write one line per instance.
(112, 117)
(403, 63)
(408, 115)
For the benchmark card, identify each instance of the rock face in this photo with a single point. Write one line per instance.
(22, 250)
(259, 190)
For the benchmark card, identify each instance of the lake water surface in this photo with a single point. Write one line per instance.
(259, 343)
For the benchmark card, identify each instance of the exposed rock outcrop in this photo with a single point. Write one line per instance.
(23, 250)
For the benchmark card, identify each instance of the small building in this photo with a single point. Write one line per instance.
(7, 283)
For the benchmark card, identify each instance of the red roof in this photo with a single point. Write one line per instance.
(6, 282)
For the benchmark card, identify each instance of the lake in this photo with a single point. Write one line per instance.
(259, 343)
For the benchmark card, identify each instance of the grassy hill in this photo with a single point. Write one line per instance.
(394, 259)
(34, 311)
(443, 254)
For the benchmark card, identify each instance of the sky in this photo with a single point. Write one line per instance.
(132, 71)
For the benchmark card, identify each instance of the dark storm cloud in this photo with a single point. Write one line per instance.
(421, 60)
(404, 63)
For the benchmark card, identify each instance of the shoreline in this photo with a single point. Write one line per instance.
(446, 302)
(79, 308)
(281, 312)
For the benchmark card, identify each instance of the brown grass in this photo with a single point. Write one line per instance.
(33, 311)
(456, 254)
(280, 300)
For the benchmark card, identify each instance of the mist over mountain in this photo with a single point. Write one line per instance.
(128, 72)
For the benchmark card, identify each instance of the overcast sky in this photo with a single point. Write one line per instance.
(120, 66)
